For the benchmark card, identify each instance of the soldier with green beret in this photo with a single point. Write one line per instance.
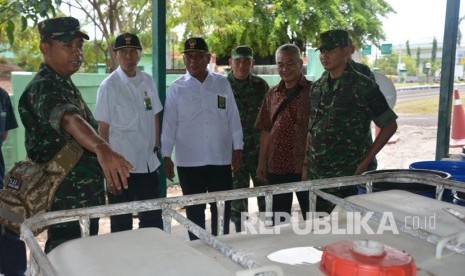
(343, 103)
(52, 111)
(249, 91)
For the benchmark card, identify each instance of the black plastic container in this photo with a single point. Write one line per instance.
(417, 188)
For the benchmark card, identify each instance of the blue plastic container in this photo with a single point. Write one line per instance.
(459, 201)
(455, 168)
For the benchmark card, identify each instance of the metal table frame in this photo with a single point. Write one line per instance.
(40, 264)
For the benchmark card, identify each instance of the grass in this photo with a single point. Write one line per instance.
(428, 106)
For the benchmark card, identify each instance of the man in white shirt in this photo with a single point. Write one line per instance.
(202, 122)
(127, 114)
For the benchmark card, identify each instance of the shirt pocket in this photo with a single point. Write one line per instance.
(188, 107)
(124, 115)
(344, 104)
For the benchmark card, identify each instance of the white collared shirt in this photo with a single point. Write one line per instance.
(201, 122)
(120, 104)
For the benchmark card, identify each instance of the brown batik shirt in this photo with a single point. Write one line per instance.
(288, 134)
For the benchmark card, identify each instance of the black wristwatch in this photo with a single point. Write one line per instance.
(156, 149)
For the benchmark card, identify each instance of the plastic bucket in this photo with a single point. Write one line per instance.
(417, 188)
(456, 169)
(459, 200)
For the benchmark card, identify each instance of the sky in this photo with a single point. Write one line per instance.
(418, 21)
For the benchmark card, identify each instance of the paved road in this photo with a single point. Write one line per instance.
(418, 93)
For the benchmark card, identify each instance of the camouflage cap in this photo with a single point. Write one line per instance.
(242, 52)
(127, 40)
(195, 44)
(61, 28)
(333, 38)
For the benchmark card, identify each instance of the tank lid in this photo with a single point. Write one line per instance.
(365, 258)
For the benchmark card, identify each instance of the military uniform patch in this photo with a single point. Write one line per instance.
(14, 184)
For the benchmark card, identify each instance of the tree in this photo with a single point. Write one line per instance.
(112, 17)
(228, 23)
(407, 46)
(262, 24)
(434, 49)
(28, 56)
(459, 34)
(388, 64)
(418, 57)
(23, 11)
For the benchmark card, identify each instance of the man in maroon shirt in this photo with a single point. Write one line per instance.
(284, 130)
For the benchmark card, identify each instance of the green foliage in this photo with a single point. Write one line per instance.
(418, 56)
(388, 64)
(266, 24)
(434, 49)
(435, 66)
(261, 24)
(23, 11)
(26, 49)
(427, 106)
(410, 65)
(459, 34)
(93, 55)
(112, 18)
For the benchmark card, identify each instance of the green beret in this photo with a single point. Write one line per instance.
(333, 38)
(62, 28)
(242, 52)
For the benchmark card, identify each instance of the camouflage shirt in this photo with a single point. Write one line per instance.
(339, 128)
(362, 69)
(41, 107)
(249, 95)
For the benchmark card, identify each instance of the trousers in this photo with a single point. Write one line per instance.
(210, 178)
(283, 202)
(141, 186)
(12, 254)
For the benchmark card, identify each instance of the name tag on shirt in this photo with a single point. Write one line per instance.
(147, 102)
(221, 102)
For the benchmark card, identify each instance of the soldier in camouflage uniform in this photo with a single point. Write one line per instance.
(343, 103)
(249, 91)
(52, 112)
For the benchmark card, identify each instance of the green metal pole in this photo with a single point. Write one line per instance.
(447, 78)
(159, 66)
